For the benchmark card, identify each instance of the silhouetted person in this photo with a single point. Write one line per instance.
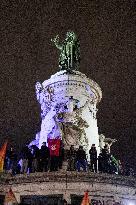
(120, 168)
(26, 157)
(35, 158)
(71, 159)
(81, 159)
(11, 160)
(113, 165)
(44, 157)
(105, 160)
(54, 146)
(61, 155)
(100, 163)
(64, 202)
(93, 158)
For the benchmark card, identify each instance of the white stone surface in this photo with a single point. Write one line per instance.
(105, 188)
(78, 126)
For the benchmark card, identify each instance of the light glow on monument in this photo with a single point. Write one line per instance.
(69, 101)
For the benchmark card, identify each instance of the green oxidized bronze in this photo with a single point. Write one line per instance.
(69, 51)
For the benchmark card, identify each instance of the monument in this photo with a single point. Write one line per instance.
(69, 101)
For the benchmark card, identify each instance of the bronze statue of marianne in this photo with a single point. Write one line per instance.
(69, 51)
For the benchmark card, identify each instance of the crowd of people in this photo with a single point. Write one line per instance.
(104, 163)
(32, 159)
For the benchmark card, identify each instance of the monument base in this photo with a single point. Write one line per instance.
(103, 189)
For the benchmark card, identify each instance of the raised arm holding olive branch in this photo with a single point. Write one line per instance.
(69, 51)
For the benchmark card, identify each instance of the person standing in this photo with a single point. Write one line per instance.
(61, 155)
(54, 147)
(71, 159)
(93, 158)
(11, 160)
(105, 160)
(35, 158)
(81, 159)
(44, 157)
(26, 157)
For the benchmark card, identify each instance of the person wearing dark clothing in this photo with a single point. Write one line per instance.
(93, 158)
(71, 159)
(54, 163)
(120, 168)
(11, 158)
(26, 157)
(105, 160)
(8, 160)
(35, 158)
(100, 163)
(44, 157)
(81, 159)
(18, 168)
(61, 155)
(113, 165)
(54, 147)
(64, 202)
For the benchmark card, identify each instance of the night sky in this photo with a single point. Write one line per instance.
(107, 33)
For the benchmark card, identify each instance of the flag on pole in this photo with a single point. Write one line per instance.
(2, 155)
(10, 198)
(85, 200)
(54, 146)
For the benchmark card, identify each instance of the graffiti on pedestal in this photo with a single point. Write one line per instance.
(104, 202)
(76, 200)
(55, 199)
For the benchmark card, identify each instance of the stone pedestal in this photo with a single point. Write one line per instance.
(68, 109)
(104, 189)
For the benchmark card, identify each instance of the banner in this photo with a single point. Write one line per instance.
(10, 198)
(54, 146)
(2, 155)
(85, 200)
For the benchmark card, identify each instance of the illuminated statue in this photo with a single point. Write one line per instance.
(105, 141)
(68, 101)
(69, 51)
(73, 127)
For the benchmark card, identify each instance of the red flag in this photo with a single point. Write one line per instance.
(2, 155)
(85, 200)
(10, 198)
(54, 146)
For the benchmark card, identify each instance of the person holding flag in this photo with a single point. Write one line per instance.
(2, 155)
(54, 147)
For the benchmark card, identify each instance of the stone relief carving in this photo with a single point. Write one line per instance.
(73, 127)
(45, 97)
(57, 121)
(62, 116)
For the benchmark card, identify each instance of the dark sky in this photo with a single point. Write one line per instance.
(107, 33)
